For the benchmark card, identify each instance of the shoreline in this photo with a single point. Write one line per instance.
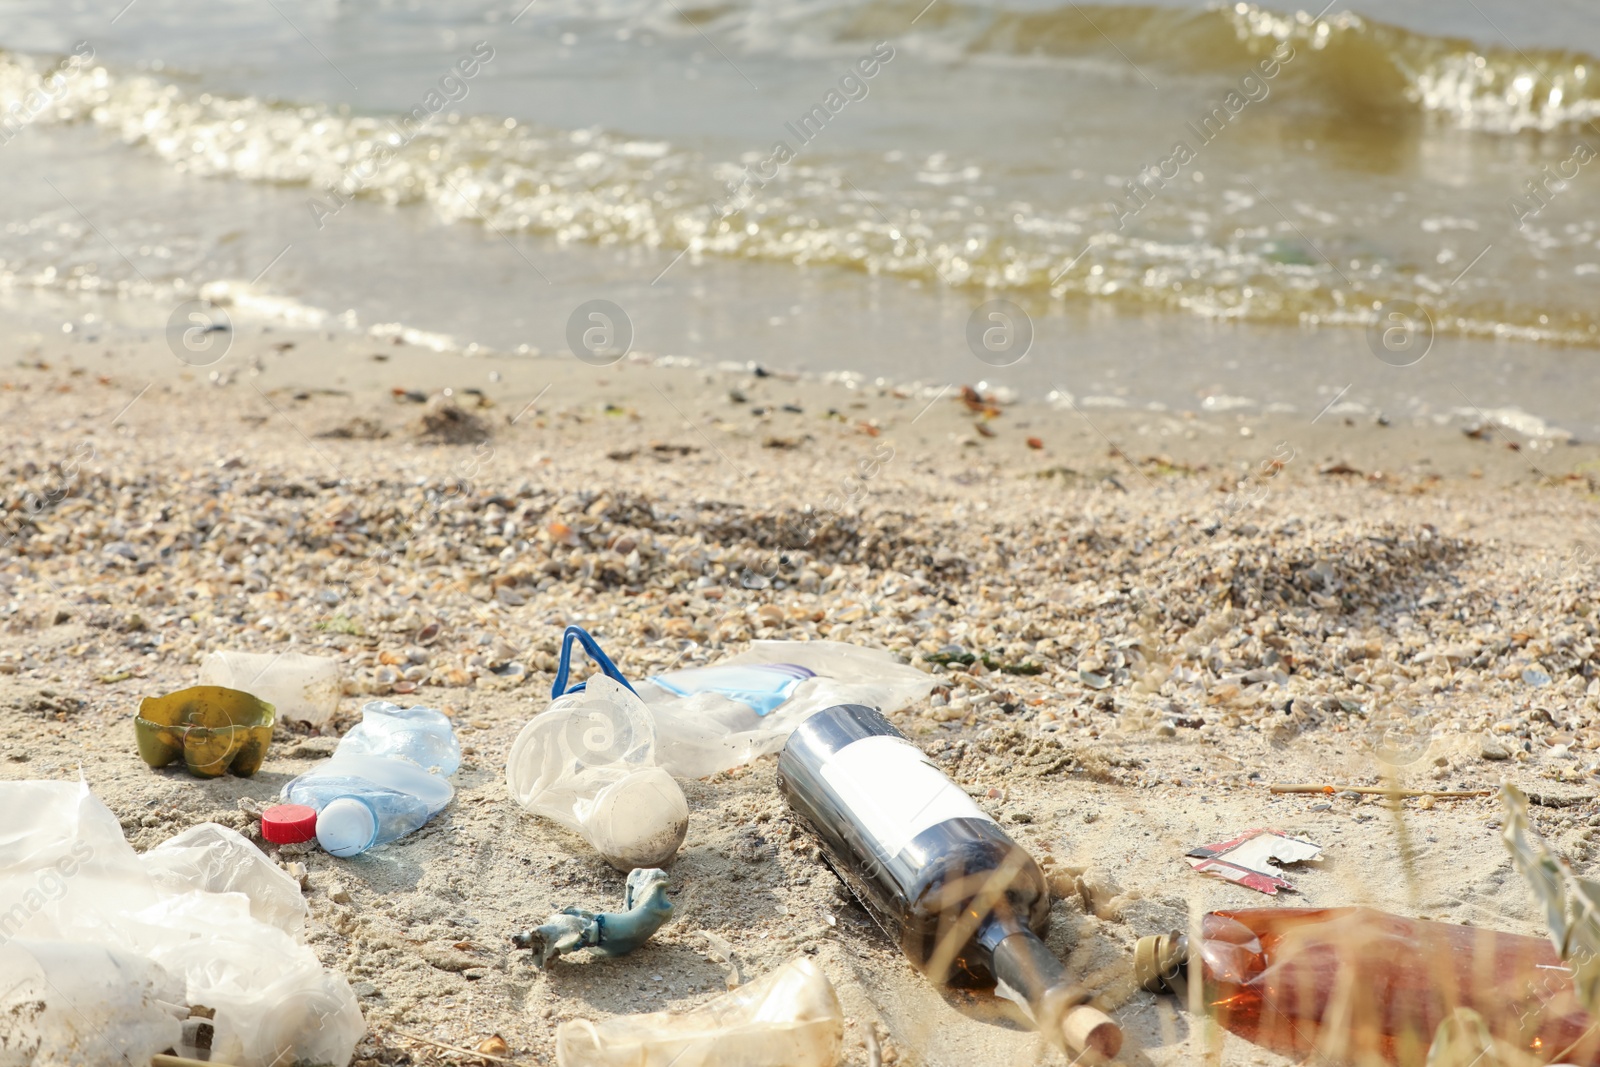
(347, 361)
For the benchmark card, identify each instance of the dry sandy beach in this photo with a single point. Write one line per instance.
(1212, 604)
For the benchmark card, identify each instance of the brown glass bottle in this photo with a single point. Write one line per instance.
(1358, 986)
(964, 902)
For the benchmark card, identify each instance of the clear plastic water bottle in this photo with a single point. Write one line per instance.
(422, 735)
(385, 779)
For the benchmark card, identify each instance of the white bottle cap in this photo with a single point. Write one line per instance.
(347, 827)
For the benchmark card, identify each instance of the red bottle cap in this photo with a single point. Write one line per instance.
(289, 824)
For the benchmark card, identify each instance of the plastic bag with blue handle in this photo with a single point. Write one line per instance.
(583, 762)
(588, 763)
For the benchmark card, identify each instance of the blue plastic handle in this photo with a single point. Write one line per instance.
(596, 653)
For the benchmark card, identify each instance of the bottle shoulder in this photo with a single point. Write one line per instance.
(966, 859)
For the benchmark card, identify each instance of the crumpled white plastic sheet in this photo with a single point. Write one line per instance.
(708, 732)
(103, 951)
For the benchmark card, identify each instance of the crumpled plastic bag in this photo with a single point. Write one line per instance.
(601, 759)
(75, 1005)
(588, 763)
(219, 860)
(718, 728)
(738, 709)
(197, 922)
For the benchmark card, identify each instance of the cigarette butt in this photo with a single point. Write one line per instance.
(162, 1060)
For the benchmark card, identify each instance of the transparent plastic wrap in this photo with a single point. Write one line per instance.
(602, 758)
(270, 994)
(713, 718)
(76, 1005)
(198, 922)
(216, 859)
(301, 687)
(738, 709)
(789, 1018)
(588, 763)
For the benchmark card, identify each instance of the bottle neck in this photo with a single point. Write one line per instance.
(1027, 972)
(1160, 963)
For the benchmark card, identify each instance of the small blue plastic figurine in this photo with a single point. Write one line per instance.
(610, 933)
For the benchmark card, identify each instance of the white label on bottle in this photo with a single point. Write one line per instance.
(894, 791)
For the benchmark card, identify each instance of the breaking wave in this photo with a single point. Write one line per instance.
(932, 225)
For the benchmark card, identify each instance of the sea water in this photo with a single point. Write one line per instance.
(1188, 201)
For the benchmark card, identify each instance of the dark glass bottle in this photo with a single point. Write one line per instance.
(1354, 985)
(964, 902)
